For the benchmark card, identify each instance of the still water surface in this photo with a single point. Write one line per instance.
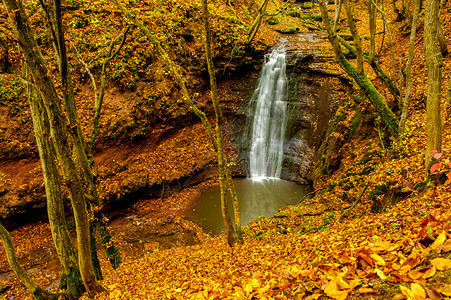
(256, 198)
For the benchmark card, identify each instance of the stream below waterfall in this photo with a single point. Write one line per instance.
(256, 199)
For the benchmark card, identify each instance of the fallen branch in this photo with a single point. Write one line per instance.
(347, 210)
(309, 194)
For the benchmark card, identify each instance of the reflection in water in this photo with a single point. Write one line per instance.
(256, 198)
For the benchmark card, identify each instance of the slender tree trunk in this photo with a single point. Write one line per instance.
(376, 68)
(79, 145)
(392, 50)
(26, 280)
(222, 163)
(256, 23)
(360, 78)
(405, 106)
(355, 36)
(186, 96)
(441, 37)
(70, 278)
(434, 72)
(372, 18)
(448, 100)
(58, 132)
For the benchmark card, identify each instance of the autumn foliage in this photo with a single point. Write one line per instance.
(379, 226)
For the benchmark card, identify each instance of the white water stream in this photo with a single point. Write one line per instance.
(268, 131)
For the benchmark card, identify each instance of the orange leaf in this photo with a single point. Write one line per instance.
(436, 167)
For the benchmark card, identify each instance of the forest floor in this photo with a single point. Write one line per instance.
(378, 227)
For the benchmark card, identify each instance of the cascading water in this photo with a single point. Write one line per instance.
(258, 196)
(269, 123)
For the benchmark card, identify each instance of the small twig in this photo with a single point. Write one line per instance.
(357, 200)
(308, 194)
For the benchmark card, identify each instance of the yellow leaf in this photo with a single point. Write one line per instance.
(343, 285)
(414, 274)
(353, 283)
(441, 263)
(332, 291)
(248, 288)
(429, 273)
(445, 290)
(406, 291)
(381, 274)
(399, 297)
(378, 260)
(115, 295)
(418, 290)
(438, 241)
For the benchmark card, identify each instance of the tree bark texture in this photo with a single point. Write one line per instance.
(434, 71)
(26, 280)
(222, 163)
(406, 102)
(360, 78)
(448, 100)
(372, 18)
(55, 209)
(355, 36)
(59, 135)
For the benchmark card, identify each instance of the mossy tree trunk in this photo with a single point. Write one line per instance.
(372, 19)
(54, 16)
(59, 136)
(406, 102)
(394, 90)
(355, 36)
(253, 29)
(361, 79)
(222, 162)
(434, 71)
(70, 277)
(26, 280)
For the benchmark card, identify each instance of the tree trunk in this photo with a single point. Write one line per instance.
(360, 78)
(355, 36)
(70, 278)
(448, 100)
(372, 17)
(256, 23)
(79, 145)
(58, 132)
(434, 72)
(376, 68)
(405, 105)
(441, 37)
(26, 280)
(222, 163)
(186, 96)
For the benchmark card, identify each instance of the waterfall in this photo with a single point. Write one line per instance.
(268, 129)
